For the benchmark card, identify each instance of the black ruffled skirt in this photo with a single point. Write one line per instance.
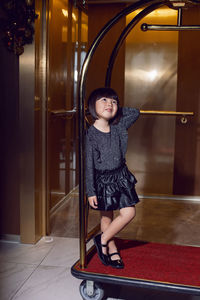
(115, 189)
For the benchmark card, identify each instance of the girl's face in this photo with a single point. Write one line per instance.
(106, 108)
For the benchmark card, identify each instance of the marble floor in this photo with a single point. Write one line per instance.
(42, 271)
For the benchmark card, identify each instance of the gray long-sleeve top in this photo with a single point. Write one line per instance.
(106, 151)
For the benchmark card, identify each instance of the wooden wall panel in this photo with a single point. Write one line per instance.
(187, 145)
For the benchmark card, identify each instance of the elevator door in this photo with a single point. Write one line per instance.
(151, 84)
(67, 48)
(161, 72)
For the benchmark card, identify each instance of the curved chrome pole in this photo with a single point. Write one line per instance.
(124, 34)
(82, 200)
(100, 36)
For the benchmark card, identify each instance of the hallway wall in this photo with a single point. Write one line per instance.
(9, 118)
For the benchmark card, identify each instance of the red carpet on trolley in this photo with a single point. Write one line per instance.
(155, 262)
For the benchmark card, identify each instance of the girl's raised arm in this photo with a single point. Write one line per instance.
(129, 116)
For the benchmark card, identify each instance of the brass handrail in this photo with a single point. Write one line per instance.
(63, 112)
(167, 113)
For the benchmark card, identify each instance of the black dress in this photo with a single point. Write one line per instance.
(107, 175)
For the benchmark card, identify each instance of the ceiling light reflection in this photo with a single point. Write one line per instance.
(142, 75)
(152, 75)
(74, 17)
(65, 12)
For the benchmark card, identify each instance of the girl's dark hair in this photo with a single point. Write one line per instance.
(98, 94)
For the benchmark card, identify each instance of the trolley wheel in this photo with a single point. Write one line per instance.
(90, 290)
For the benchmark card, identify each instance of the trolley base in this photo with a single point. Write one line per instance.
(147, 265)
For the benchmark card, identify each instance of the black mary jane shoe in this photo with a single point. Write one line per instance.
(117, 263)
(103, 257)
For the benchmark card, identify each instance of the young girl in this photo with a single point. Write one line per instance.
(109, 183)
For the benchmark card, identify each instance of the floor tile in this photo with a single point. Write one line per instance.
(64, 253)
(52, 283)
(24, 253)
(12, 276)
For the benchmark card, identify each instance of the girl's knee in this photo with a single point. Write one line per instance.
(132, 212)
(128, 212)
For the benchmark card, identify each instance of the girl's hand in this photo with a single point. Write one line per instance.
(93, 201)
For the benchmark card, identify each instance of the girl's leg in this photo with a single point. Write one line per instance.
(106, 220)
(125, 216)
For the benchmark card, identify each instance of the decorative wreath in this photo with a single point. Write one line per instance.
(16, 24)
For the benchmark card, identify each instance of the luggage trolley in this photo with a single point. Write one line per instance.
(94, 274)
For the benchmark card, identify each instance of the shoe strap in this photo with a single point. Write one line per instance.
(115, 253)
(103, 245)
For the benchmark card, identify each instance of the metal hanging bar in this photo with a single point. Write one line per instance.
(179, 19)
(178, 27)
(145, 27)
